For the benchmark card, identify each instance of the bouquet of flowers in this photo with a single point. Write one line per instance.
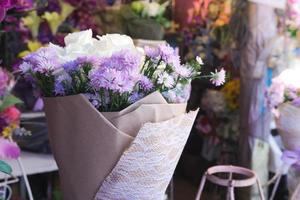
(206, 30)
(139, 19)
(9, 120)
(283, 97)
(114, 112)
(152, 10)
(220, 123)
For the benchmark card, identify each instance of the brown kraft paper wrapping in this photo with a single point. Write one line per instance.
(87, 144)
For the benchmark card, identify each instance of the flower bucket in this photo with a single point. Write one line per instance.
(288, 125)
(130, 154)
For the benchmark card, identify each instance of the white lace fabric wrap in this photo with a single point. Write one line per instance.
(146, 167)
(288, 125)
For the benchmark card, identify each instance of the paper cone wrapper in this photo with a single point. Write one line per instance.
(87, 145)
(288, 125)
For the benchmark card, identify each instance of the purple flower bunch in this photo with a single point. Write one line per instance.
(169, 76)
(18, 5)
(162, 66)
(44, 60)
(281, 92)
(114, 77)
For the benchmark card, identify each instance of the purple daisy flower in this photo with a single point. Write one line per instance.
(111, 79)
(92, 60)
(123, 60)
(71, 66)
(152, 52)
(218, 77)
(165, 52)
(183, 71)
(43, 60)
(169, 55)
(62, 83)
(134, 97)
(145, 83)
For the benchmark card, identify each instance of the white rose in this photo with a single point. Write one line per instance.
(77, 45)
(115, 42)
(70, 52)
(82, 43)
(82, 37)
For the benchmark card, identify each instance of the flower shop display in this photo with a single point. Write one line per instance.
(32, 24)
(52, 21)
(139, 19)
(11, 34)
(283, 98)
(114, 113)
(219, 125)
(206, 30)
(9, 127)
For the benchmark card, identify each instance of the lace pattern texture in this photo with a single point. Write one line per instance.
(146, 167)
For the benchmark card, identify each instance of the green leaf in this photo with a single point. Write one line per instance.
(5, 168)
(8, 101)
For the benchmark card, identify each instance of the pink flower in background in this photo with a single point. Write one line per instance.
(11, 114)
(218, 78)
(203, 125)
(8, 149)
(293, 1)
(275, 94)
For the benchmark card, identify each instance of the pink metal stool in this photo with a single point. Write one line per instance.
(230, 183)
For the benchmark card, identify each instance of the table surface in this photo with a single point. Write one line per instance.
(33, 163)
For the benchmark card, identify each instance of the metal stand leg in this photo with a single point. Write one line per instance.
(261, 193)
(229, 188)
(201, 187)
(25, 179)
(275, 188)
(231, 193)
